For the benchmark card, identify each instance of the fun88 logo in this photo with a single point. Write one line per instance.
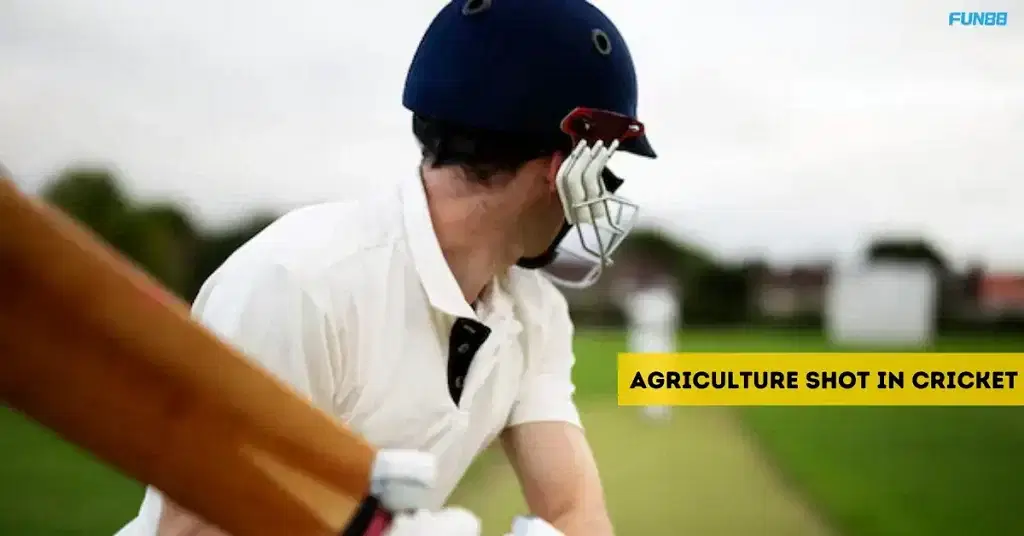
(978, 18)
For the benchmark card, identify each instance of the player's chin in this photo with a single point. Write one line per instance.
(534, 250)
(539, 243)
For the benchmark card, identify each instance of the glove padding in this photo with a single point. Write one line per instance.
(532, 526)
(403, 479)
(447, 522)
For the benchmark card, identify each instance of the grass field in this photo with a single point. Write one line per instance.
(706, 471)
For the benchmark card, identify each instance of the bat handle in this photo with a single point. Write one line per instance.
(372, 519)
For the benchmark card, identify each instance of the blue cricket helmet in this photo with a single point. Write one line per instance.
(520, 66)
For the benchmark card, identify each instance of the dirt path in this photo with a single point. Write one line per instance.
(696, 473)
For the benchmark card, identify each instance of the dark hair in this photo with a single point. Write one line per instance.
(482, 153)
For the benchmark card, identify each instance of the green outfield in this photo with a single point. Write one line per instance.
(755, 471)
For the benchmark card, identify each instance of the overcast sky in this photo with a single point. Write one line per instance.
(791, 128)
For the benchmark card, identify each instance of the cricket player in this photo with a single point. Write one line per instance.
(420, 316)
(653, 313)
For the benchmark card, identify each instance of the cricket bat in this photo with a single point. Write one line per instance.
(96, 350)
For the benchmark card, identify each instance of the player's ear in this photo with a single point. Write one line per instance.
(554, 162)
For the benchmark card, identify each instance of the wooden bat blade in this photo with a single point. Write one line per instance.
(96, 350)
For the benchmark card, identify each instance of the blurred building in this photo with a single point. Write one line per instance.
(789, 292)
(785, 295)
(1001, 295)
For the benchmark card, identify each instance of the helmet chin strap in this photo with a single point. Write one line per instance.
(612, 182)
(546, 258)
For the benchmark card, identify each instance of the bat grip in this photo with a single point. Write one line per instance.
(371, 519)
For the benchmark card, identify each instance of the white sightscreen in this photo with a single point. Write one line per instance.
(881, 304)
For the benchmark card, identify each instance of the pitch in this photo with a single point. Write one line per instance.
(765, 471)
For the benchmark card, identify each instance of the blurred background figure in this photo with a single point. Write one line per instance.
(653, 313)
(831, 176)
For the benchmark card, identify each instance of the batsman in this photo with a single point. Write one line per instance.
(420, 315)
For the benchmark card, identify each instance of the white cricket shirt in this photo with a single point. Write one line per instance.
(352, 303)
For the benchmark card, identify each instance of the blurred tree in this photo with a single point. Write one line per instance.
(683, 260)
(95, 198)
(648, 255)
(718, 295)
(170, 241)
(949, 290)
(160, 238)
(910, 250)
(972, 281)
(712, 293)
(754, 271)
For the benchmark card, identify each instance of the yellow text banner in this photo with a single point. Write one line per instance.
(821, 379)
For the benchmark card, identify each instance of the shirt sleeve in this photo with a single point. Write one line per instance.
(546, 393)
(267, 315)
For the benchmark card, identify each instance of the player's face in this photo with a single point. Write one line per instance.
(541, 216)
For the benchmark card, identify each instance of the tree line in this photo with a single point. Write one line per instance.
(164, 239)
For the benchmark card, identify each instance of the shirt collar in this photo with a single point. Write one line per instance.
(438, 281)
(497, 303)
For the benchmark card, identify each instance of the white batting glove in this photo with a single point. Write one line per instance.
(403, 479)
(532, 526)
(447, 522)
